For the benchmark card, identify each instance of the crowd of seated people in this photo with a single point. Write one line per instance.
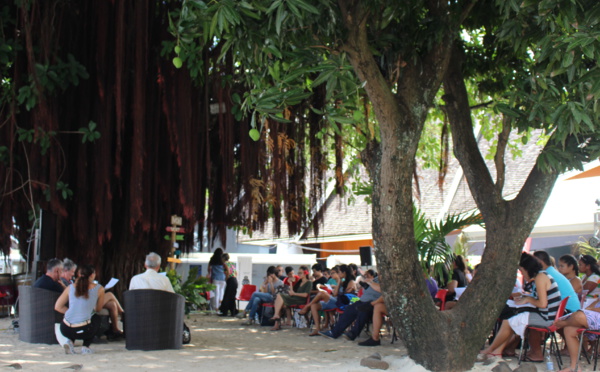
(327, 293)
(544, 287)
(359, 295)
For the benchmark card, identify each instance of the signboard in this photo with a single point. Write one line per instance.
(175, 229)
(175, 260)
(176, 220)
(177, 237)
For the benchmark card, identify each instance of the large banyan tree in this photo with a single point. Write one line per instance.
(99, 128)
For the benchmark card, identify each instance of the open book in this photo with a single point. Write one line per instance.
(512, 303)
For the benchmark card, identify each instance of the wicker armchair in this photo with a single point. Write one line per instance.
(37, 315)
(153, 319)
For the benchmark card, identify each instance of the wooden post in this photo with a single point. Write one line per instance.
(175, 222)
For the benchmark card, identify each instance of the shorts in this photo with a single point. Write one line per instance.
(329, 305)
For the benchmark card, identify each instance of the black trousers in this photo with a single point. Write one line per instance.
(228, 303)
(85, 333)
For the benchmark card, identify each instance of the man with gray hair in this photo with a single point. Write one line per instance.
(151, 279)
(68, 274)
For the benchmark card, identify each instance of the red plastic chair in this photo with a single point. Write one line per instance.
(441, 295)
(550, 330)
(583, 332)
(245, 293)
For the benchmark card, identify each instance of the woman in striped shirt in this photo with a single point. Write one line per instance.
(545, 296)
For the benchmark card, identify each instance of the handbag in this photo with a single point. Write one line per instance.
(300, 320)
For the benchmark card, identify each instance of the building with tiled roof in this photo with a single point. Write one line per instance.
(347, 226)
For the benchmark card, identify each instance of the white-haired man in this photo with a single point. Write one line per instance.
(151, 279)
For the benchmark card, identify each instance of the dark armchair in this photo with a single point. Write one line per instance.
(37, 315)
(153, 319)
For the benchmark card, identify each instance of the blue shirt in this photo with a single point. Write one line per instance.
(217, 272)
(565, 288)
(369, 294)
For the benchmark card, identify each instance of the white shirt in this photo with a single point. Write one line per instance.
(151, 280)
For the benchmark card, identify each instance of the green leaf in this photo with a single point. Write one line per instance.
(281, 14)
(308, 7)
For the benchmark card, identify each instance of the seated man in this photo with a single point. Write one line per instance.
(151, 279)
(318, 278)
(68, 274)
(266, 294)
(51, 280)
(291, 277)
(358, 312)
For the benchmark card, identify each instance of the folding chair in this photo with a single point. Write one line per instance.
(245, 293)
(300, 306)
(264, 305)
(550, 331)
(584, 332)
(441, 295)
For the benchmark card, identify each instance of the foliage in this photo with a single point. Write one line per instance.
(51, 78)
(461, 246)
(433, 250)
(90, 134)
(583, 246)
(192, 288)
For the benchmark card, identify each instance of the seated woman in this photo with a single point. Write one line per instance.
(297, 295)
(459, 280)
(326, 301)
(110, 302)
(588, 265)
(589, 319)
(545, 297)
(84, 298)
(567, 265)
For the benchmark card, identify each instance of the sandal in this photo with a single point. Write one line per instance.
(276, 327)
(481, 357)
(314, 333)
(529, 360)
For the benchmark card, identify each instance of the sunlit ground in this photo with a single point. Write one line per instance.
(217, 344)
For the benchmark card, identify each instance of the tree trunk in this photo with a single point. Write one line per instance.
(448, 340)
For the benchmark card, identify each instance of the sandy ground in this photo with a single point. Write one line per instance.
(218, 343)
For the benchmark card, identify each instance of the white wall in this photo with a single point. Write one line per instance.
(260, 263)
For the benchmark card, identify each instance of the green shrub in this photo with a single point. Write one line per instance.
(192, 289)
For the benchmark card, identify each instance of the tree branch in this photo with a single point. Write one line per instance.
(466, 149)
(501, 152)
(532, 198)
(466, 10)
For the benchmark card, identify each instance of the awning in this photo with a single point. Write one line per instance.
(593, 172)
